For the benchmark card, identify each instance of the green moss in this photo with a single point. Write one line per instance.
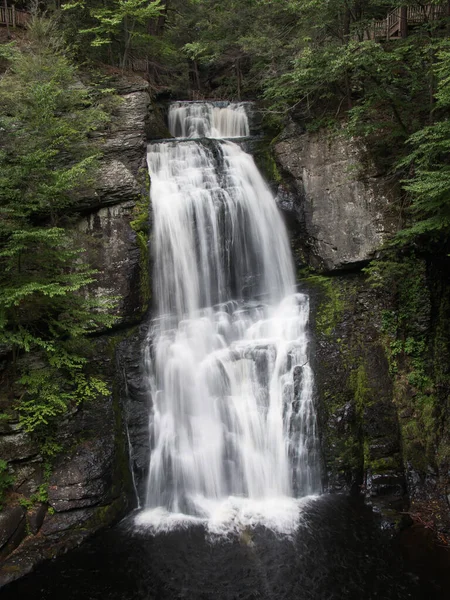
(380, 465)
(351, 452)
(144, 270)
(413, 351)
(363, 398)
(141, 225)
(343, 452)
(265, 161)
(116, 338)
(10, 568)
(141, 217)
(331, 306)
(103, 516)
(359, 384)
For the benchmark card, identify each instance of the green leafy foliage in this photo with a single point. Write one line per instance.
(46, 159)
(122, 26)
(46, 116)
(429, 164)
(110, 18)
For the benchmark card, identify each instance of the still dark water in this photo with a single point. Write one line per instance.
(338, 552)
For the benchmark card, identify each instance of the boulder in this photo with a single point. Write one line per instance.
(12, 529)
(84, 479)
(17, 446)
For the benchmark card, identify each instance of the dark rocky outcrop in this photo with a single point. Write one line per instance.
(112, 247)
(12, 529)
(137, 407)
(359, 427)
(384, 433)
(383, 419)
(85, 487)
(53, 507)
(343, 206)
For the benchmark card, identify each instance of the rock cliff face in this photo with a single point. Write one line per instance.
(343, 205)
(137, 407)
(112, 245)
(360, 432)
(382, 406)
(340, 211)
(89, 483)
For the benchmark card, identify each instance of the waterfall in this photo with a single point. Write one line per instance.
(233, 426)
(208, 119)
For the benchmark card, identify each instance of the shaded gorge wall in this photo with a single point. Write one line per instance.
(383, 408)
(53, 505)
(381, 334)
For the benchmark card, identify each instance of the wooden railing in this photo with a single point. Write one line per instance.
(14, 18)
(391, 26)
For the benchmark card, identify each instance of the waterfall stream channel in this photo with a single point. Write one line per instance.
(233, 426)
(233, 507)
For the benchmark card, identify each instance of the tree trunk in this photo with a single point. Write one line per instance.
(348, 91)
(346, 25)
(403, 21)
(128, 37)
(156, 26)
(238, 75)
(8, 32)
(197, 75)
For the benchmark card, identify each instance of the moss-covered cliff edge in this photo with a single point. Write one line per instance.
(379, 328)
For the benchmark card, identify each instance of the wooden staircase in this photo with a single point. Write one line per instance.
(396, 24)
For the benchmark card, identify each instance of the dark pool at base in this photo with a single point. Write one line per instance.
(338, 552)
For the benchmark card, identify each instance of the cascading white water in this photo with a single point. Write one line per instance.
(208, 119)
(233, 422)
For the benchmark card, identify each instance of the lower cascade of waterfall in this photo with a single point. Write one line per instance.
(233, 427)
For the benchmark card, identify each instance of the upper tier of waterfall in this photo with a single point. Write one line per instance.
(233, 422)
(208, 119)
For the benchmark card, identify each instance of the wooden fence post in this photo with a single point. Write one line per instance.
(403, 21)
(8, 32)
